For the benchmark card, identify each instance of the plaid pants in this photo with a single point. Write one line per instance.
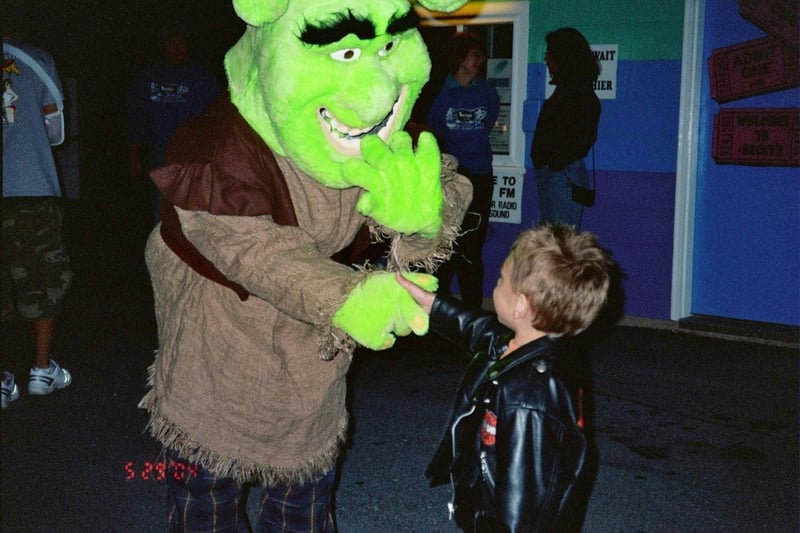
(200, 502)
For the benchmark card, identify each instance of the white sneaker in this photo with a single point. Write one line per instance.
(10, 389)
(46, 380)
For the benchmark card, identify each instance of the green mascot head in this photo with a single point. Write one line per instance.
(316, 77)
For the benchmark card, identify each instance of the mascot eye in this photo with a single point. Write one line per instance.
(387, 48)
(348, 54)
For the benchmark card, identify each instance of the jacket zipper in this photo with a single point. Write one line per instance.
(487, 475)
(451, 505)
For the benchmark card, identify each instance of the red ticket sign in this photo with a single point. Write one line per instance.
(753, 67)
(762, 136)
(779, 18)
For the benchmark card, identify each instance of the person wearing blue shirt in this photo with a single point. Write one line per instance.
(161, 97)
(461, 116)
(35, 265)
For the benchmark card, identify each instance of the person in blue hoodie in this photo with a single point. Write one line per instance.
(161, 97)
(461, 116)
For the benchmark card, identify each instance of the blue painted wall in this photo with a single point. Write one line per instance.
(635, 155)
(747, 225)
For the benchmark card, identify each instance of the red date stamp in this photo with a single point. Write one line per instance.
(160, 470)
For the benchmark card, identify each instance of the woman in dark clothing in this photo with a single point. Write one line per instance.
(567, 126)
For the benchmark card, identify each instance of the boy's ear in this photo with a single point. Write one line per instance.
(522, 306)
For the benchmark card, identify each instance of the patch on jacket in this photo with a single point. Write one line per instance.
(489, 428)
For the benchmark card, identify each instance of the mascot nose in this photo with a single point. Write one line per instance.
(377, 92)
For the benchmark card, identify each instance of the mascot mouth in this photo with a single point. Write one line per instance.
(346, 139)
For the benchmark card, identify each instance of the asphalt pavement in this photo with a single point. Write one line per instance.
(696, 433)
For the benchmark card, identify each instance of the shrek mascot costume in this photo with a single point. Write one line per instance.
(258, 308)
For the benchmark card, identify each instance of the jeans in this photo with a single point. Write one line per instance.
(555, 194)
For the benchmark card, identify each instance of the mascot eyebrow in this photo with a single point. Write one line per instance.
(363, 28)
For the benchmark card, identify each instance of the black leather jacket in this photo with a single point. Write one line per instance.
(513, 449)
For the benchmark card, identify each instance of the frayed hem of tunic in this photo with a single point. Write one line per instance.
(242, 471)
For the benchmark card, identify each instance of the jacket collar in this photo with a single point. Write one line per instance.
(543, 347)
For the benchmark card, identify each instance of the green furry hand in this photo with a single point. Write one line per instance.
(403, 189)
(379, 309)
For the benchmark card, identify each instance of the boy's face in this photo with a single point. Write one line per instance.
(505, 298)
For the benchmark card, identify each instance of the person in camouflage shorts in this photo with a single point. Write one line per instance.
(36, 278)
(35, 262)
(36, 272)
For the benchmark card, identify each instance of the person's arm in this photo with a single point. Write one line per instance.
(279, 264)
(211, 89)
(135, 168)
(53, 104)
(492, 108)
(137, 131)
(283, 266)
(472, 329)
(521, 468)
(54, 123)
(591, 120)
(435, 119)
(576, 129)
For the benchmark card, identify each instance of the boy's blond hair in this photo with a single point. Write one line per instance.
(564, 274)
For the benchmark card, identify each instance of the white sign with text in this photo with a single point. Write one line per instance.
(507, 195)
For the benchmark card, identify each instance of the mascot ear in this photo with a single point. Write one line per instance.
(445, 6)
(259, 12)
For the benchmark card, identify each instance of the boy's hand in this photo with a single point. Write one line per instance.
(411, 282)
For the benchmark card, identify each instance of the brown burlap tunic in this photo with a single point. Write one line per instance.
(250, 383)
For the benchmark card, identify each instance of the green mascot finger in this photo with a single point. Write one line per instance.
(402, 188)
(403, 328)
(426, 281)
(400, 143)
(379, 154)
(413, 315)
(428, 155)
(368, 172)
(379, 309)
(417, 319)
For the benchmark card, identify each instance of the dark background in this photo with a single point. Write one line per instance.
(102, 45)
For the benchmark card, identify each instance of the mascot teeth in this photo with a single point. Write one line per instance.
(347, 140)
(342, 130)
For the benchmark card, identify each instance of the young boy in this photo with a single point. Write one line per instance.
(514, 448)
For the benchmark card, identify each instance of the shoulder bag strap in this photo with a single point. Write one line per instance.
(54, 122)
(48, 81)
